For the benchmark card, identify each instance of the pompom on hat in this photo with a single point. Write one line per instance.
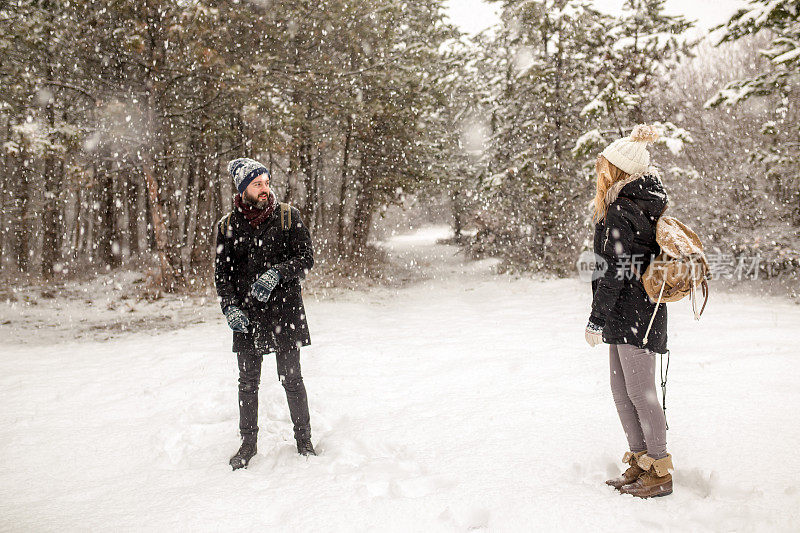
(630, 154)
(244, 170)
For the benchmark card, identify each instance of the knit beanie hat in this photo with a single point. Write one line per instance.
(630, 154)
(244, 170)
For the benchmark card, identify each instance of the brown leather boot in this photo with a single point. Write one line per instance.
(631, 474)
(656, 480)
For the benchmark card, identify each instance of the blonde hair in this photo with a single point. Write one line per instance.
(607, 175)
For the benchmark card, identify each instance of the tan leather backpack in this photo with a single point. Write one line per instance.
(679, 270)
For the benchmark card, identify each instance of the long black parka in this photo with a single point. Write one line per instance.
(625, 238)
(243, 254)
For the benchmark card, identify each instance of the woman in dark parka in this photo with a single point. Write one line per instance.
(630, 199)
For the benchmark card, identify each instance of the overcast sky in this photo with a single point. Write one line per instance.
(473, 16)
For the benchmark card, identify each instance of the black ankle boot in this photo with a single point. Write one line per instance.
(246, 452)
(304, 447)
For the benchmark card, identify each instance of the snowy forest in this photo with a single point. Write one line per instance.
(117, 119)
(414, 345)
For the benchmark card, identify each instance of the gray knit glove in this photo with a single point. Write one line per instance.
(236, 318)
(265, 284)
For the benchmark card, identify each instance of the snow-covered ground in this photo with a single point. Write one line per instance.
(465, 401)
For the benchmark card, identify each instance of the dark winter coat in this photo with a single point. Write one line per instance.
(627, 236)
(243, 254)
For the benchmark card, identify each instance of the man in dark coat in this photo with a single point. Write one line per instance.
(263, 251)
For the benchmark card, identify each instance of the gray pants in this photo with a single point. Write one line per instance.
(633, 386)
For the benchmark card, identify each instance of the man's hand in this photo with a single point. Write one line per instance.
(236, 318)
(593, 334)
(265, 284)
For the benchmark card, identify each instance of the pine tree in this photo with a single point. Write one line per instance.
(541, 63)
(638, 50)
(780, 19)
(144, 103)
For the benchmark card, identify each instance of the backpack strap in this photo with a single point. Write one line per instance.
(663, 374)
(286, 216)
(225, 222)
(704, 288)
(652, 318)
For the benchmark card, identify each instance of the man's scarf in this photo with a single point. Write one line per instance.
(253, 214)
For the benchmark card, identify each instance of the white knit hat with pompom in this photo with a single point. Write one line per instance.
(630, 154)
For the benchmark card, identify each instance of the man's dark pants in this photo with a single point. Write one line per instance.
(288, 360)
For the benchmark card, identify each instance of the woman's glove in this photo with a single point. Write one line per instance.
(593, 334)
(236, 318)
(265, 284)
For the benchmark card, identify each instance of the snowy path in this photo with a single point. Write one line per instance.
(467, 401)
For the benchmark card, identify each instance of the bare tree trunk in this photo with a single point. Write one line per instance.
(224, 191)
(195, 186)
(309, 206)
(78, 217)
(319, 196)
(164, 277)
(51, 228)
(159, 213)
(106, 221)
(306, 160)
(132, 196)
(362, 221)
(340, 227)
(5, 195)
(173, 189)
(20, 211)
(186, 189)
(292, 179)
(87, 236)
(51, 244)
(458, 212)
(204, 228)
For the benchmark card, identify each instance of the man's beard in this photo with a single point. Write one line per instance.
(255, 202)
